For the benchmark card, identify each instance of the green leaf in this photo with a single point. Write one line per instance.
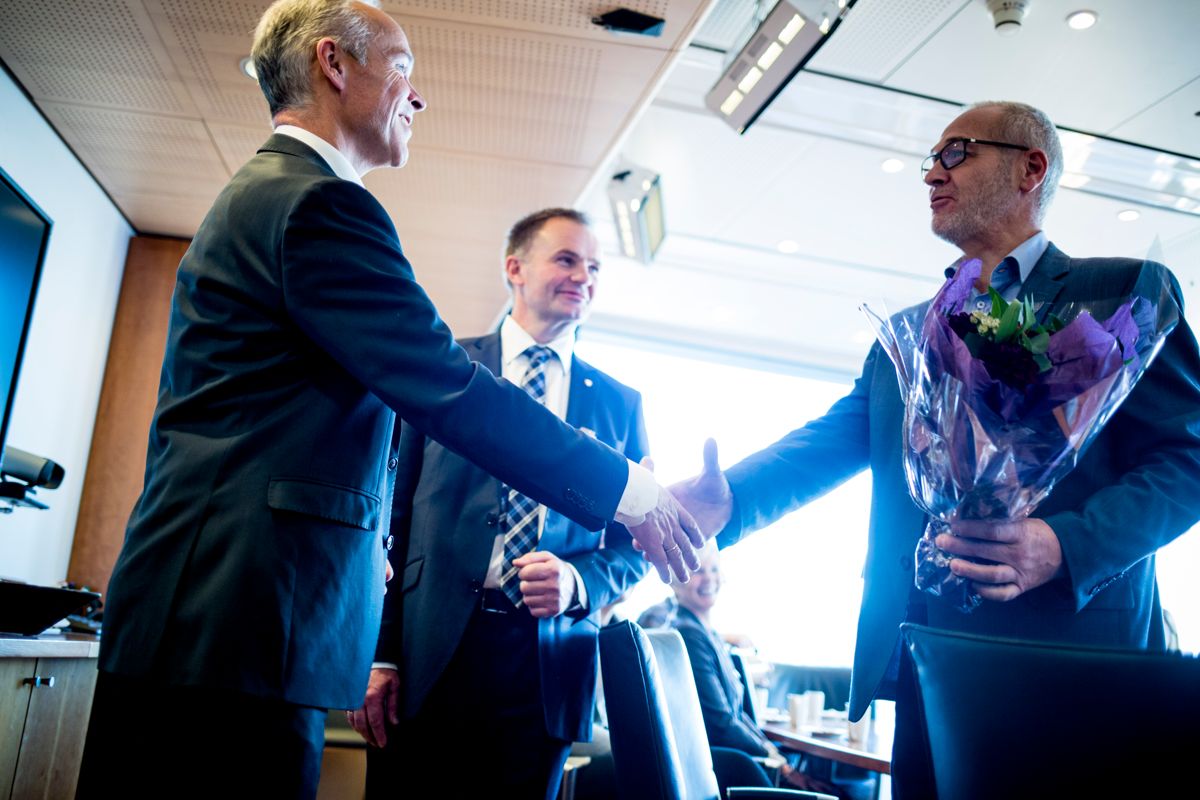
(1008, 323)
(1042, 361)
(1038, 343)
(999, 306)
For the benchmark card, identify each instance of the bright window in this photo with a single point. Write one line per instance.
(793, 588)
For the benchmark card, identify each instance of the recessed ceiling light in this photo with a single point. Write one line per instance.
(892, 165)
(1129, 215)
(247, 67)
(788, 246)
(1082, 20)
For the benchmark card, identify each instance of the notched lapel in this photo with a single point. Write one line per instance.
(1047, 279)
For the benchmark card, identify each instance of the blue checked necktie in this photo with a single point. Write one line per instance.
(520, 520)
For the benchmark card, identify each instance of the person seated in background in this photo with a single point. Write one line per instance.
(718, 682)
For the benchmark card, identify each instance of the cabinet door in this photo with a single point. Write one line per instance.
(55, 729)
(14, 702)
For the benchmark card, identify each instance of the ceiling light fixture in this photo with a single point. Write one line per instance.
(1007, 15)
(1082, 20)
(246, 65)
(775, 52)
(635, 194)
(788, 246)
(1129, 215)
(892, 165)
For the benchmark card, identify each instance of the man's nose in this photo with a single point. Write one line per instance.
(414, 97)
(936, 175)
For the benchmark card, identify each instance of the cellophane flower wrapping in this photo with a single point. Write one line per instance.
(978, 447)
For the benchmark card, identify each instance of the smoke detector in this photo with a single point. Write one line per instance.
(1008, 14)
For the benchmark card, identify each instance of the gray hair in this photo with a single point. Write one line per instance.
(1025, 125)
(284, 41)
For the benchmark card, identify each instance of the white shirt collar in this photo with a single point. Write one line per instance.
(331, 155)
(514, 340)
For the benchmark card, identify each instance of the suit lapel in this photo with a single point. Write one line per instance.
(1047, 279)
(486, 350)
(582, 394)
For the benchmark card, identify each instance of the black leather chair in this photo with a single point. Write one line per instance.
(1010, 718)
(659, 745)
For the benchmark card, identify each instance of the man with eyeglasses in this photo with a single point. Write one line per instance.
(1083, 570)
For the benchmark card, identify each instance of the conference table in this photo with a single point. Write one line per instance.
(831, 740)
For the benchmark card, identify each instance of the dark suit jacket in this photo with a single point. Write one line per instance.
(446, 513)
(719, 687)
(253, 558)
(1136, 489)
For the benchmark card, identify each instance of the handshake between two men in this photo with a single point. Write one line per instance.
(688, 514)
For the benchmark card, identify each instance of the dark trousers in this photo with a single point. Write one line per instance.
(481, 731)
(150, 740)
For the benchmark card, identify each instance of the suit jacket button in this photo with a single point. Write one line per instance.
(393, 463)
(388, 542)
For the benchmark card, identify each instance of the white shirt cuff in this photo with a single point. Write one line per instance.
(640, 496)
(580, 590)
(384, 665)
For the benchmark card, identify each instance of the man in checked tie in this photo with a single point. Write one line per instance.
(486, 668)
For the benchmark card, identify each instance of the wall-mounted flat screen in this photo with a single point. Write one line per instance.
(24, 234)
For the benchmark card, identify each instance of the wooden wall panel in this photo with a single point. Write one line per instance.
(117, 460)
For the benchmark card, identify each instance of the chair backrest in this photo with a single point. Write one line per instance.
(750, 698)
(659, 745)
(1010, 719)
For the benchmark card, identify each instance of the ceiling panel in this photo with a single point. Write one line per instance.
(135, 152)
(95, 52)
(523, 95)
(207, 40)
(565, 18)
(1172, 123)
(1079, 77)
(878, 35)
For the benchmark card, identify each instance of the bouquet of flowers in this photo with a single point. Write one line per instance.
(1001, 404)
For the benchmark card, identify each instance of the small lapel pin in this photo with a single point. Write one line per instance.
(587, 382)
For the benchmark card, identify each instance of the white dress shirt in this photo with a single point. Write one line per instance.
(514, 340)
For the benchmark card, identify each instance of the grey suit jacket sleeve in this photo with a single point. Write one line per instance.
(351, 291)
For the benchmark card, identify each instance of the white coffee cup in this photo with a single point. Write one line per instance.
(816, 705)
(797, 710)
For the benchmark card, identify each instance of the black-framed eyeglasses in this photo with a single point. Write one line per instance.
(954, 152)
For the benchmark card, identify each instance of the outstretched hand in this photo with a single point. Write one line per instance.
(668, 536)
(707, 496)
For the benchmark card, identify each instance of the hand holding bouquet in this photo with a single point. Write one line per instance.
(1001, 404)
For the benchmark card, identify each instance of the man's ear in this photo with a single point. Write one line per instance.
(331, 62)
(1035, 164)
(512, 270)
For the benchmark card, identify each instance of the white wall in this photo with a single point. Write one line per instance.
(59, 385)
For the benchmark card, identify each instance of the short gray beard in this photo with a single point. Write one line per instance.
(991, 206)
